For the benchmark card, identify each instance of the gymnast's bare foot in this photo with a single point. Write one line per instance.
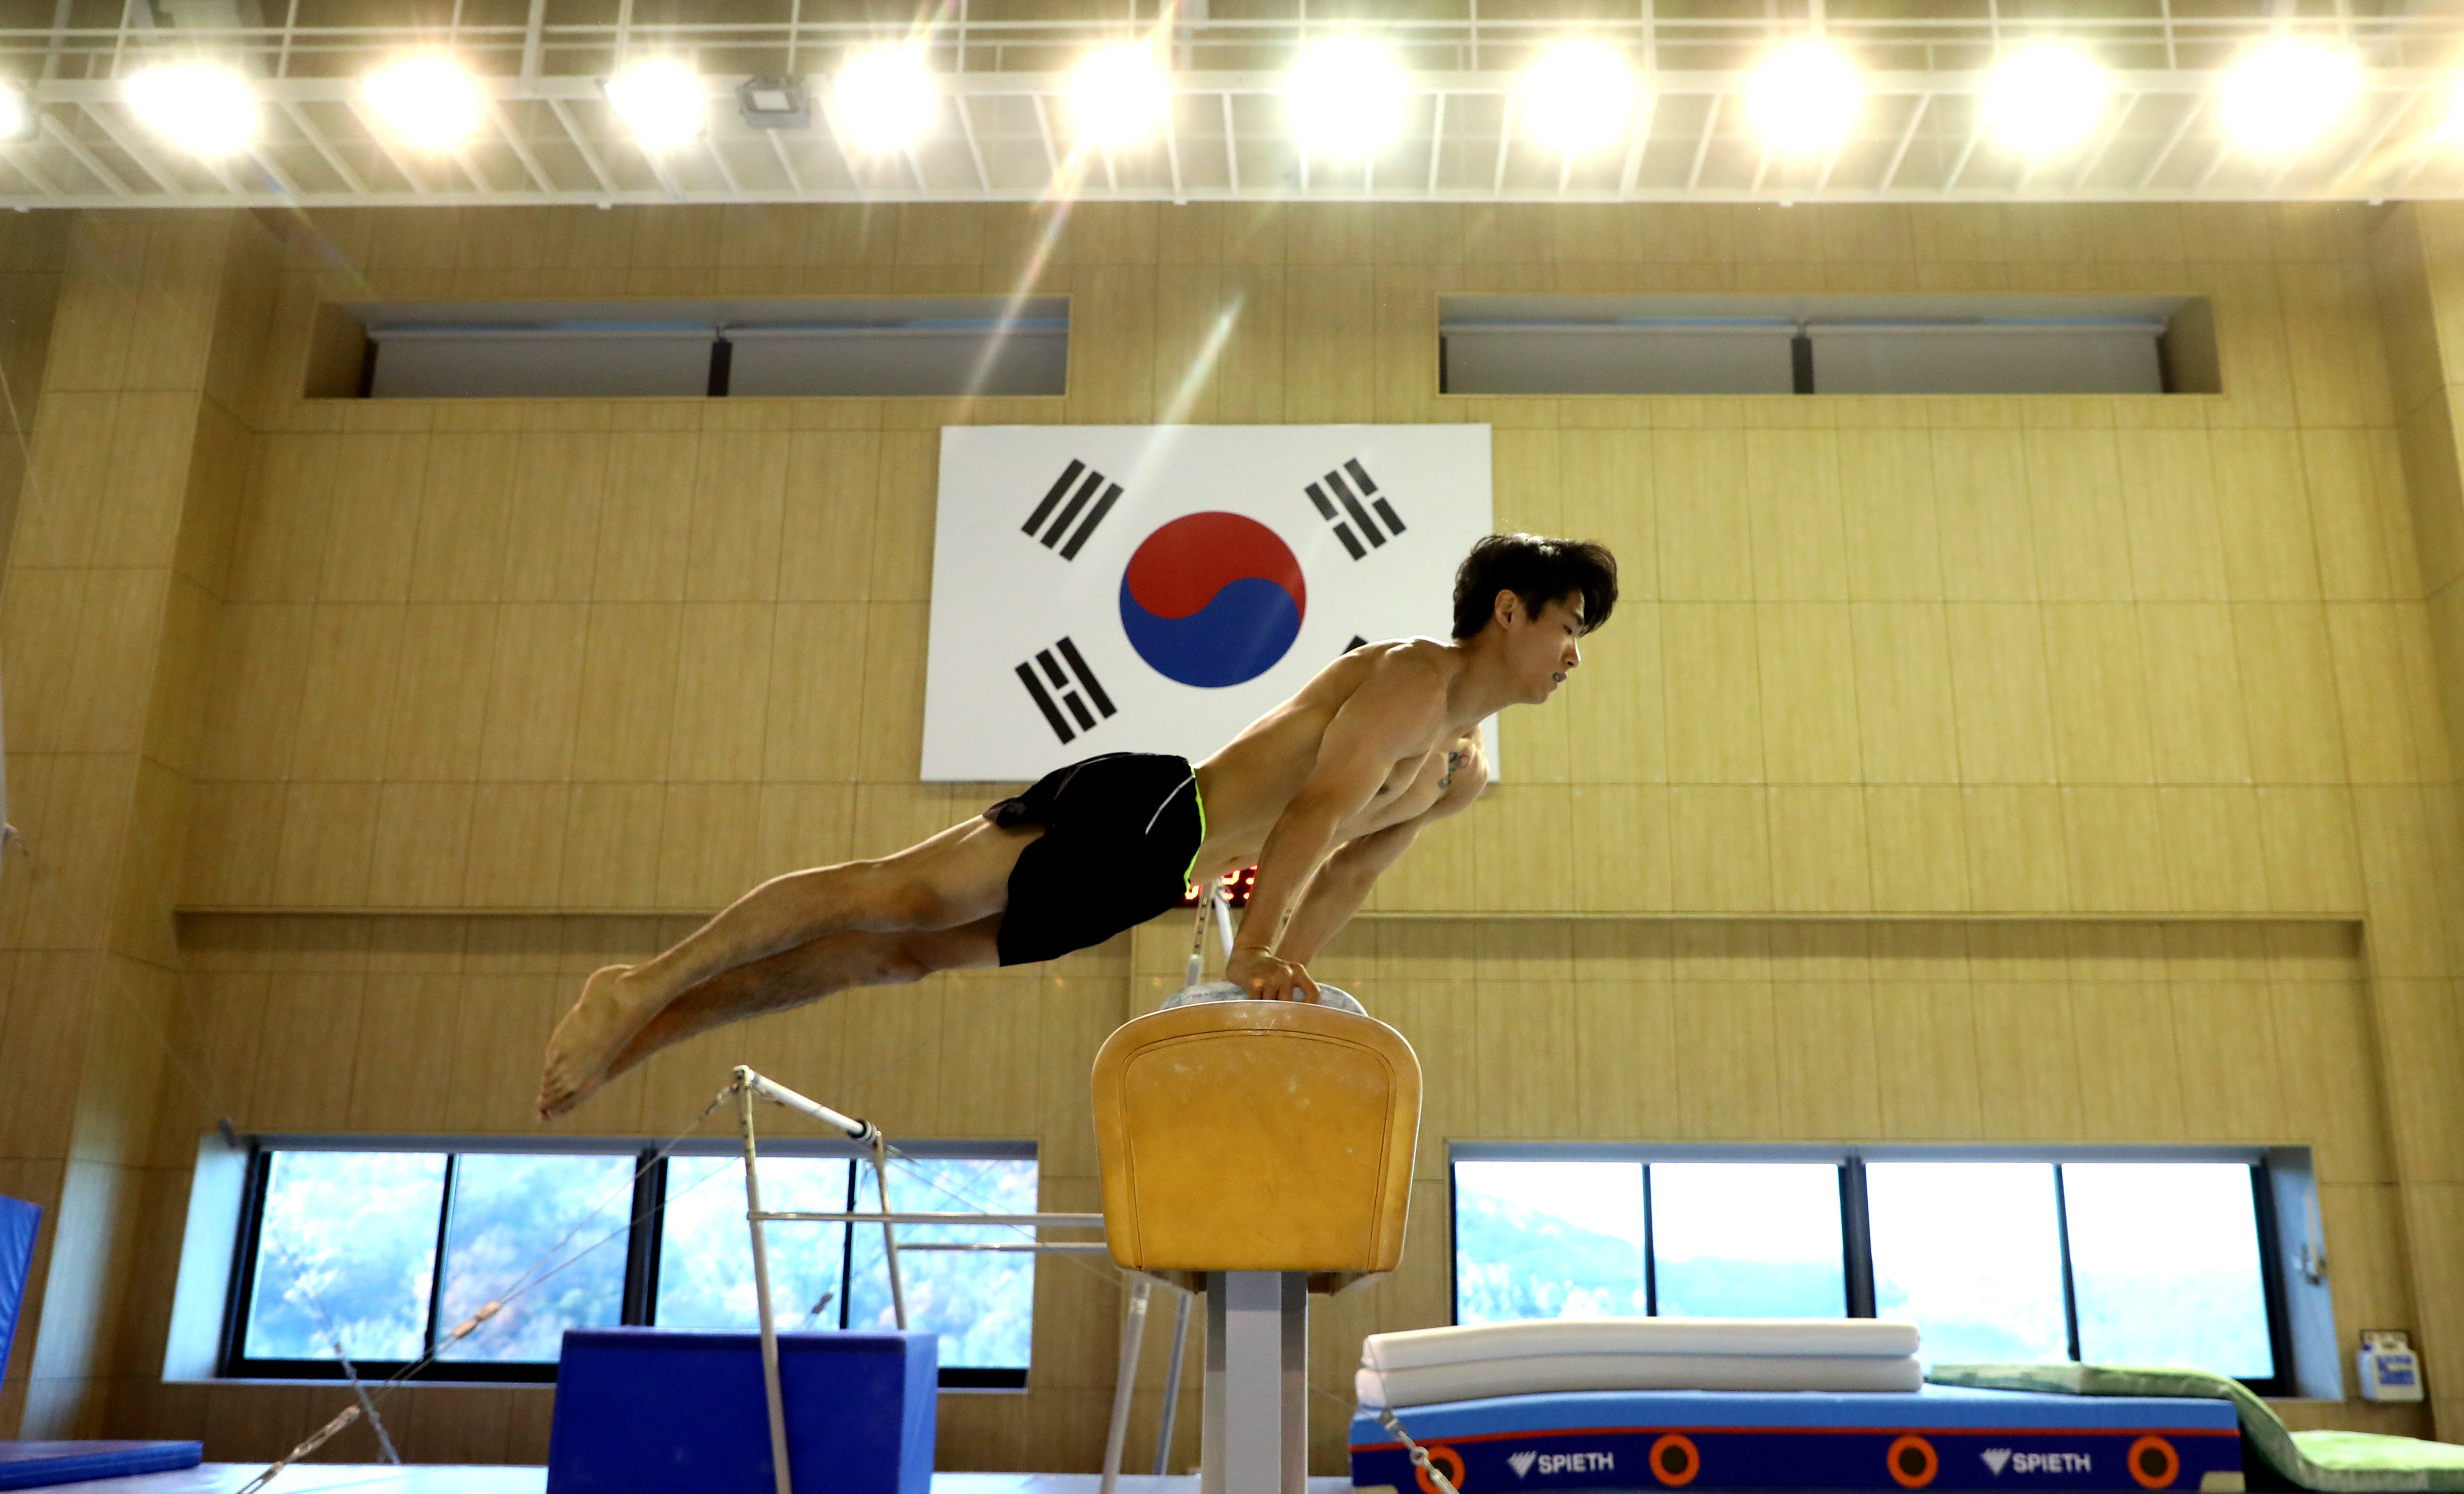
(586, 1045)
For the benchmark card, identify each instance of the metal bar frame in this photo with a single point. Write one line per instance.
(745, 1086)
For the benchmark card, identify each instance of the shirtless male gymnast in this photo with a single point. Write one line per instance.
(1384, 739)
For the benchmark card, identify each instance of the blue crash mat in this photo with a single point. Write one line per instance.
(1935, 1437)
(29, 1465)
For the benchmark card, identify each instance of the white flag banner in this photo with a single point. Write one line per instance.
(1156, 589)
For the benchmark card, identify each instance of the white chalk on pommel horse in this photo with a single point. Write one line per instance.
(1257, 1152)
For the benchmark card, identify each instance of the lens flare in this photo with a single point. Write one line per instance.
(660, 101)
(1117, 96)
(1804, 97)
(431, 102)
(202, 106)
(1347, 96)
(2283, 95)
(1578, 97)
(883, 98)
(17, 112)
(2044, 99)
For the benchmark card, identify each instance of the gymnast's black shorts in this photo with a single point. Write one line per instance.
(1120, 835)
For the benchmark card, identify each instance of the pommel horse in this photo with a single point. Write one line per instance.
(1255, 1152)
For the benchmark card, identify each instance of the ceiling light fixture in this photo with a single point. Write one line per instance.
(884, 99)
(2283, 94)
(773, 103)
(431, 101)
(17, 118)
(204, 107)
(1578, 97)
(1347, 96)
(1804, 97)
(1117, 96)
(659, 101)
(2044, 99)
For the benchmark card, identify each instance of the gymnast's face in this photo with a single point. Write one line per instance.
(1543, 649)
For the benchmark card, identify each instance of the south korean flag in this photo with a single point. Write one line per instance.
(1156, 589)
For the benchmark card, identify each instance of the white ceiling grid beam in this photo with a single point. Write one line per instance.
(966, 128)
(796, 183)
(1638, 141)
(2384, 152)
(1172, 150)
(1900, 153)
(2094, 158)
(2172, 142)
(1231, 150)
(317, 142)
(66, 139)
(1703, 145)
(2369, 149)
(589, 157)
(377, 132)
(111, 126)
(521, 147)
(22, 163)
(1505, 142)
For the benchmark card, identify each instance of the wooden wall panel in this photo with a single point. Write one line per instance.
(502, 668)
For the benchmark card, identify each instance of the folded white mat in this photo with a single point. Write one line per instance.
(1822, 1338)
(1435, 1364)
(1539, 1375)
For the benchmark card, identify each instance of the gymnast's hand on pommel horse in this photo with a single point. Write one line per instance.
(1322, 794)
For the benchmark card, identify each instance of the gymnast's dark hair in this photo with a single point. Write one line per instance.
(1538, 570)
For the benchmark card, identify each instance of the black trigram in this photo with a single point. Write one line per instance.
(1356, 641)
(1072, 684)
(1357, 496)
(1078, 482)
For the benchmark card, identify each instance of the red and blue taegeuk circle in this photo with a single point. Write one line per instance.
(1213, 600)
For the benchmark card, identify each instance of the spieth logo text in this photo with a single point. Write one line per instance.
(2036, 1462)
(1524, 1464)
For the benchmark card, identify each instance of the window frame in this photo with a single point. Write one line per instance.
(646, 1236)
(1856, 1223)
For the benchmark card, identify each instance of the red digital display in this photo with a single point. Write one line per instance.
(1236, 889)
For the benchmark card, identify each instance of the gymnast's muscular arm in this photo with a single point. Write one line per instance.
(1392, 716)
(1341, 884)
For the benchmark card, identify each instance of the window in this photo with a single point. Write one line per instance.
(1999, 1258)
(1973, 1253)
(863, 346)
(380, 1253)
(2166, 1259)
(1825, 344)
(1747, 1240)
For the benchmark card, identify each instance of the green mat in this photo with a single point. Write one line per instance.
(2338, 1463)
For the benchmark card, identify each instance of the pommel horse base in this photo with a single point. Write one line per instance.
(1257, 1152)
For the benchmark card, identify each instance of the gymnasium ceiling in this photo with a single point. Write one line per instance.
(1000, 129)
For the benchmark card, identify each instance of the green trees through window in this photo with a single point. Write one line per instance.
(380, 1254)
(2154, 1263)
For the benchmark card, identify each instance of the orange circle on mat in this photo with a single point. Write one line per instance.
(2154, 1464)
(1675, 1459)
(1911, 1462)
(1451, 1464)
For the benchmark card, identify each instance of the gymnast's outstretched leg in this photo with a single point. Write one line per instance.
(809, 972)
(958, 877)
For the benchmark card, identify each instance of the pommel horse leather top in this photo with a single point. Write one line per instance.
(1255, 1152)
(1257, 1136)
